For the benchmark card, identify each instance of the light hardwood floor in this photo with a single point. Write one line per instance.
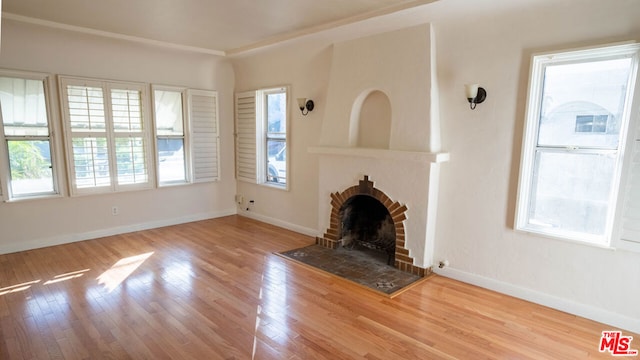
(214, 290)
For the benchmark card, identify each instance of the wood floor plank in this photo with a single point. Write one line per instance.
(214, 289)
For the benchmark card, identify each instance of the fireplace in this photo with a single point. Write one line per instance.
(376, 126)
(385, 217)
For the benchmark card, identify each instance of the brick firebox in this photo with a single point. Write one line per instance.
(397, 211)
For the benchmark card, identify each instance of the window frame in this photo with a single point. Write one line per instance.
(620, 240)
(251, 155)
(195, 116)
(109, 133)
(263, 136)
(185, 136)
(531, 133)
(6, 193)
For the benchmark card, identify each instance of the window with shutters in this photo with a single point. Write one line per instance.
(26, 153)
(107, 130)
(262, 137)
(186, 131)
(575, 142)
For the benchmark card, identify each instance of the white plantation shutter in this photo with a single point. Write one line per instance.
(107, 135)
(132, 155)
(85, 116)
(205, 139)
(86, 108)
(246, 137)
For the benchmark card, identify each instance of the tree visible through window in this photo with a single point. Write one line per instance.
(27, 138)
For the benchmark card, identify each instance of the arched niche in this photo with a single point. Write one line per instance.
(370, 123)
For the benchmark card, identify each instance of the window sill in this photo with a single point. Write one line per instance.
(627, 245)
(173, 184)
(33, 198)
(283, 187)
(566, 239)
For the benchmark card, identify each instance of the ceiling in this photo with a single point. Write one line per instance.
(219, 27)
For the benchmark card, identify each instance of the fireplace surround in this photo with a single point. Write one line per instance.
(333, 235)
(376, 125)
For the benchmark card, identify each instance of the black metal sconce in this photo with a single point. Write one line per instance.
(305, 104)
(475, 94)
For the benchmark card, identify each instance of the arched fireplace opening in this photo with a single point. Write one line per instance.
(366, 223)
(363, 195)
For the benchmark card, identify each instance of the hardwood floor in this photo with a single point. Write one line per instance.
(214, 290)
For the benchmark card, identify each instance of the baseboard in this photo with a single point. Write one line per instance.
(612, 319)
(70, 238)
(283, 224)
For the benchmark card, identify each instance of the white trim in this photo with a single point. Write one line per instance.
(111, 35)
(71, 238)
(586, 311)
(283, 38)
(418, 156)
(276, 222)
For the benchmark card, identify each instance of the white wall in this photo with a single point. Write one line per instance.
(478, 187)
(396, 63)
(305, 68)
(489, 42)
(35, 223)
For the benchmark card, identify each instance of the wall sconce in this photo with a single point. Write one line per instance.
(305, 104)
(475, 94)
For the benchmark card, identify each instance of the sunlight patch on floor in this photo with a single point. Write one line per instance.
(121, 270)
(18, 287)
(67, 276)
(271, 319)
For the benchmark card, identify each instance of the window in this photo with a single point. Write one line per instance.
(575, 135)
(187, 151)
(27, 141)
(261, 136)
(274, 123)
(107, 135)
(170, 135)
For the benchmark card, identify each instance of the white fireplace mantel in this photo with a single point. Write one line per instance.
(418, 156)
(417, 188)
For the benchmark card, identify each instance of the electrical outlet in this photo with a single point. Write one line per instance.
(115, 210)
(239, 199)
